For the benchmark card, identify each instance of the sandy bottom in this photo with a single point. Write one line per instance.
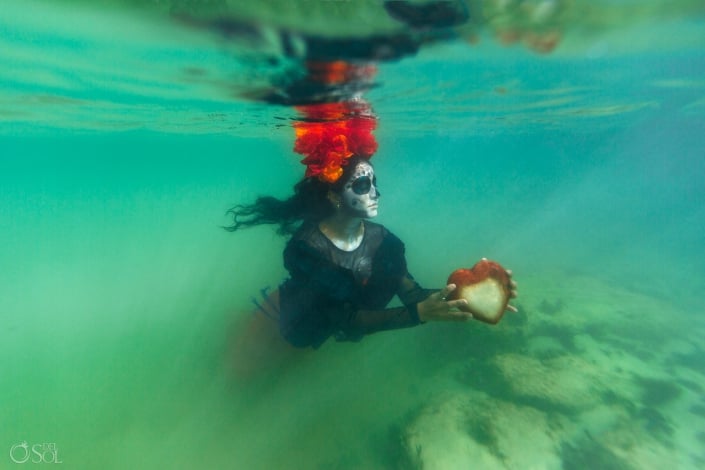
(589, 374)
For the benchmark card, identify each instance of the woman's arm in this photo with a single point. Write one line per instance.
(420, 306)
(312, 312)
(364, 322)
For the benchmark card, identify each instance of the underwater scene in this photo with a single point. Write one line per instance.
(560, 138)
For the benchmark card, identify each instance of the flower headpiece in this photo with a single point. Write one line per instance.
(331, 133)
(328, 144)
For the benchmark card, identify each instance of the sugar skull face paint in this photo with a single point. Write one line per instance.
(360, 194)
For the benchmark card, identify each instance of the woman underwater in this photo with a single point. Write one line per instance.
(344, 269)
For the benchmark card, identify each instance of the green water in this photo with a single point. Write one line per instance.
(122, 301)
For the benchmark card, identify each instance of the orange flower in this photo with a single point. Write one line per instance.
(328, 144)
(330, 174)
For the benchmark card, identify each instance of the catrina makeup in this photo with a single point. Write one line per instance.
(360, 193)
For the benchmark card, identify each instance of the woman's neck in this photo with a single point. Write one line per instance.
(345, 232)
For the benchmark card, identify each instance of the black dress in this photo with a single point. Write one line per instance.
(332, 292)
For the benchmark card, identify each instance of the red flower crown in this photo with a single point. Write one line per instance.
(331, 133)
(330, 141)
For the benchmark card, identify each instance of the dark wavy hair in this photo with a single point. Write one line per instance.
(309, 203)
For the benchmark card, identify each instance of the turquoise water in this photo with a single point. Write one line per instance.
(123, 303)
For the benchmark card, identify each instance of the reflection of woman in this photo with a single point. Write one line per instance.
(344, 269)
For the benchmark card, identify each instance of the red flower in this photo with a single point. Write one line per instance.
(339, 134)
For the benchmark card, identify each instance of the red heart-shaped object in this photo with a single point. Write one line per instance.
(486, 287)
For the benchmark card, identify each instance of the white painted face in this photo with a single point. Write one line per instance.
(361, 205)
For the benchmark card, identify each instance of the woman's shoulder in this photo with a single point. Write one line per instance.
(307, 238)
(389, 255)
(385, 237)
(375, 229)
(305, 232)
(380, 230)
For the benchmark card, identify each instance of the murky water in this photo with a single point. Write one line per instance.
(123, 304)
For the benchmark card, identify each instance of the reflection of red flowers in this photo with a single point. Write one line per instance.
(338, 72)
(328, 144)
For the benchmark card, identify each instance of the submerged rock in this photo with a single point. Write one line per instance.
(562, 383)
(474, 430)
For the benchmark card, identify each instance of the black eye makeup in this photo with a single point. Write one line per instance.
(362, 185)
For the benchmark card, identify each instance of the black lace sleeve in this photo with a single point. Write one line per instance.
(365, 321)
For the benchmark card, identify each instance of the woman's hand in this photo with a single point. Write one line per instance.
(437, 308)
(513, 292)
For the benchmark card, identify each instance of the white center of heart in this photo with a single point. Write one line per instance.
(486, 297)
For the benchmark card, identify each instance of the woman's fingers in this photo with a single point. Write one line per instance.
(456, 315)
(445, 291)
(457, 303)
(512, 285)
